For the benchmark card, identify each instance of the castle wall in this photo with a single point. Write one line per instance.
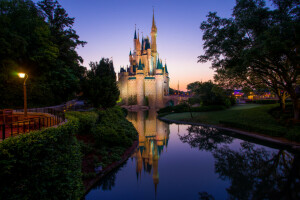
(140, 89)
(159, 88)
(150, 90)
(131, 87)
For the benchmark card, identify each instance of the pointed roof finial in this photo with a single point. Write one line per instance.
(135, 32)
(154, 29)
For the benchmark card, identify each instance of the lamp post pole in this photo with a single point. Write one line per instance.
(25, 96)
(23, 75)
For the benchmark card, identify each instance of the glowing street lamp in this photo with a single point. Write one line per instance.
(23, 75)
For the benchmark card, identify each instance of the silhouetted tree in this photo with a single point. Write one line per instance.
(257, 46)
(100, 86)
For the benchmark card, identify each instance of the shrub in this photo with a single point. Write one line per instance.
(113, 129)
(87, 120)
(132, 100)
(42, 164)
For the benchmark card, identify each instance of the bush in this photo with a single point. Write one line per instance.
(87, 120)
(42, 164)
(113, 129)
(132, 100)
(194, 100)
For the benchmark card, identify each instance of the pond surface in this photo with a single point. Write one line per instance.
(195, 162)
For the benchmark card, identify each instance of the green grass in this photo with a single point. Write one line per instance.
(250, 117)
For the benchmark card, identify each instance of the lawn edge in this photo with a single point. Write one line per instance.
(278, 141)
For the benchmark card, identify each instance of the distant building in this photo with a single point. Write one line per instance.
(146, 80)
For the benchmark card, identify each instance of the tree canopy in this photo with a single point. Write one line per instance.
(256, 46)
(209, 93)
(100, 86)
(38, 39)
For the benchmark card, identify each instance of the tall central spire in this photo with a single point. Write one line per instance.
(153, 28)
(153, 21)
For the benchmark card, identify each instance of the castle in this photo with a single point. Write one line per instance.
(146, 80)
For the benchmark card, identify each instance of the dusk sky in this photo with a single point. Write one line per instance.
(108, 28)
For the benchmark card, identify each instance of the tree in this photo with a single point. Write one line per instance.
(257, 46)
(30, 43)
(100, 86)
(210, 94)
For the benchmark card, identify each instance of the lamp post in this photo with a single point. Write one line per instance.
(25, 76)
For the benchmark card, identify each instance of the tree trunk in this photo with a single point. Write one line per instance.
(282, 102)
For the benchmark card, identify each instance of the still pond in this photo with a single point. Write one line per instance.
(194, 162)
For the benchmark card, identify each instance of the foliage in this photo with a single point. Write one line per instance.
(211, 94)
(87, 120)
(113, 129)
(100, 86)
(146, 101)
(257, 47)
(132, 100)
(186, 108)
(42, 164)
(38, 39)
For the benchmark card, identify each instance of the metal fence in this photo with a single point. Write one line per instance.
(51, 117)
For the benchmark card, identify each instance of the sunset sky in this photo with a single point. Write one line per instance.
(108, 28)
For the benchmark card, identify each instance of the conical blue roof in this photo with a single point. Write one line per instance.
(140, 65)
(166, 69)
(135, 34)
(159, 65)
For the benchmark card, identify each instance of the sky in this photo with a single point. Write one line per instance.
(108, 28)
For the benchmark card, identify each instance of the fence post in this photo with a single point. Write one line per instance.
(39, 123)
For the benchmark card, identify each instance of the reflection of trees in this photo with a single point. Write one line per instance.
(205, 138)
(258, 174)
(254, 173)
(108, 181)
(205, 196)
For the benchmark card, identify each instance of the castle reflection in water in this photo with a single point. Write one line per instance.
(153, 141)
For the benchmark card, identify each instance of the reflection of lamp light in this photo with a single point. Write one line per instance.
(23, 75)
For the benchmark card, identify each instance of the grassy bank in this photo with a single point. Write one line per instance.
(56, 163)
(253, 117)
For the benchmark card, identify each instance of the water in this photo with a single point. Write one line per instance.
(195, 162)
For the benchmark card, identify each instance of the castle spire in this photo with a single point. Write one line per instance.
(135, 32)
(153, 21)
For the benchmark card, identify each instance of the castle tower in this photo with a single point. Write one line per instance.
(153, 40)
(140, 85)
(159, 85)
(135, 40)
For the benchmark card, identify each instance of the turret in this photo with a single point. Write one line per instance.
(159, 85)
(135, 40)
(140, 84)
(153, 40)
(130, 58)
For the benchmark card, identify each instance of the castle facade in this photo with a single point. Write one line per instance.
(146, 80)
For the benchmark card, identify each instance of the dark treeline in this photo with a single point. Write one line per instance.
(38, 39)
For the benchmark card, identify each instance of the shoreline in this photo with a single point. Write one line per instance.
(277, 141)
(111, 167)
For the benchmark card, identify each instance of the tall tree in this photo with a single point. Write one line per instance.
(256, 46)
(100, 86)
(42, 48)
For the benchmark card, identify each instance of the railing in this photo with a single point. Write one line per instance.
(34, 121)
